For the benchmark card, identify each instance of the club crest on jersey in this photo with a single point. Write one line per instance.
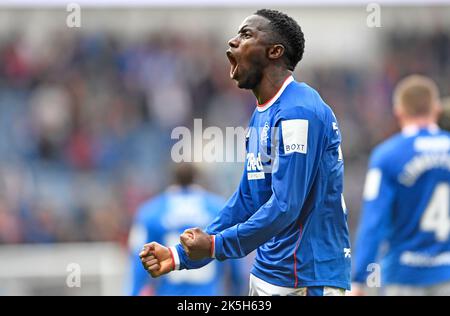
(264, 134)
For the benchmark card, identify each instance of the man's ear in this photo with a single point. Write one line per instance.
(275, 51)
(396, 110)
(438, 110)
(399, 112)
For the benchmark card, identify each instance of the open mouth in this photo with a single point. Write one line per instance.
(233, 64)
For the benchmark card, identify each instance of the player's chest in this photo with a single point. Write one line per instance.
(260, 142)
(260, 134)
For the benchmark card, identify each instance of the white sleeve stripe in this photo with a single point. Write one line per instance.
(176, 257)
(213, 251)
(372, 184)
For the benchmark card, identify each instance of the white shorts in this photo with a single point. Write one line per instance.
(260, 287)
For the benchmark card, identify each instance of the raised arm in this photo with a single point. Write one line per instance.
(237, 209)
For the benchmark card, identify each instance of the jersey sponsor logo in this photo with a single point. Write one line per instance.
(295, 136)
(254, 167)
(254, 163)
(256, 175)
(372, 185)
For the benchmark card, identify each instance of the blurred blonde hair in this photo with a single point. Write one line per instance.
(444, 119)
(416, 95)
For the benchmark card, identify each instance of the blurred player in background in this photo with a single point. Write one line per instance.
(163, 219)
(289, 204)
(405, 221)
(444, 119)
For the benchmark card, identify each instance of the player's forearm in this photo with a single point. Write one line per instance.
(366, 250)
(237, 210)
(241, 239)
(369, 237)
(379, 193)
(362, 265)
(280, 211)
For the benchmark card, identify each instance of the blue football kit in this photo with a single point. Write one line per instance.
(289, 205)
(405, 221)
(163, 219)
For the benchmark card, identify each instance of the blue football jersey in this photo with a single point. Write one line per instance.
(163, 219)
(289, 203)
(405, 221)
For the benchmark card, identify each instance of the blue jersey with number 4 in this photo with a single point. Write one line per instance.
(289, 204)
(405, 222)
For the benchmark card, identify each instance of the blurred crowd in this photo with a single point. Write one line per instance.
(85, 122)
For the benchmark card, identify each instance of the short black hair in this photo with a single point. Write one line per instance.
(288, 33)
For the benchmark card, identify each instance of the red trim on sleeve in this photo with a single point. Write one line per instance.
(295, 255)
(173, 259)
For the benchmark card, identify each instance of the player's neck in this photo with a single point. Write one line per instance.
(418, 123)
(270, 84)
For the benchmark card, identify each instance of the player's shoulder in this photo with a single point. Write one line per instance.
(388, 148)
(436, 137)
(432, 140)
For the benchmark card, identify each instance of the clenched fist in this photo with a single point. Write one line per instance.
(156, 259)
(196, 243)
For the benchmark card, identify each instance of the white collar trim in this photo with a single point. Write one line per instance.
(265, 106)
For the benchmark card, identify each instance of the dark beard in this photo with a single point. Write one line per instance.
(253, 76)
